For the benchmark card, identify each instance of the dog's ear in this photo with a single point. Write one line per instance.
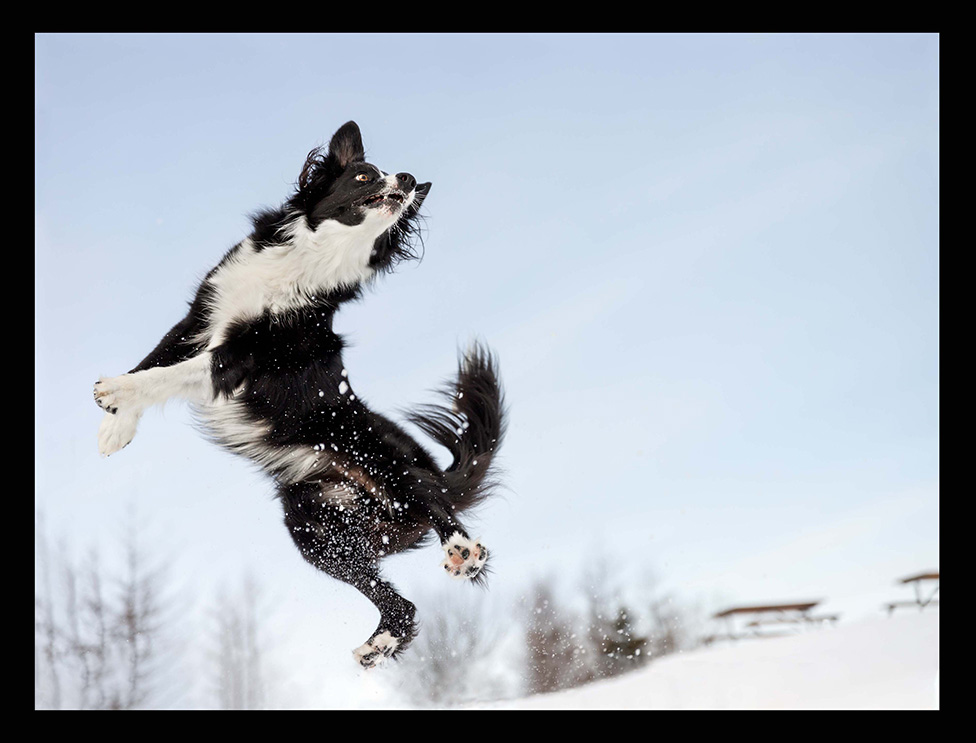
(346, 145)
(316, 171)
(322, 168)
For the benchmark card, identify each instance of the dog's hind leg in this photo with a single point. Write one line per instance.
(340, 542)
(396, 628)
(465, 558)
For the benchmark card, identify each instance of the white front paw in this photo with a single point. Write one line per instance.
(116, 430)
(113, 393)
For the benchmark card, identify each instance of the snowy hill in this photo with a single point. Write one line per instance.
(883, 663)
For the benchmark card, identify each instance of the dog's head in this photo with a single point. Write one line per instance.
(338, 185)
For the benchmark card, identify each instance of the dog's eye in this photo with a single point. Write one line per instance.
(362, 177)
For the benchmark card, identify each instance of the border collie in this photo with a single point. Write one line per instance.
(258, 359)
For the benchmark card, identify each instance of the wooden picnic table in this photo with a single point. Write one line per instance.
(770, 614)
(802, 608)
(920, 600)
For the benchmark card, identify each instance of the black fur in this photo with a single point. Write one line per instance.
(285, 373)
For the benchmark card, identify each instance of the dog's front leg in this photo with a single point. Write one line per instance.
(125, 397)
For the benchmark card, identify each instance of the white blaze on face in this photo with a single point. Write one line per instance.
(390, 208)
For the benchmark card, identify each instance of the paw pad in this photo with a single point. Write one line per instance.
(465, 558)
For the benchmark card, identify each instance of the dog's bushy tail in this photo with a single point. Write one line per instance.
(471, 429)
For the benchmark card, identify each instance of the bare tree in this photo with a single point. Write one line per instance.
(239, 662)
(455, 658)
(556, 653)
(667, 633)
(96, 648)
(616, 632)
(47, 654)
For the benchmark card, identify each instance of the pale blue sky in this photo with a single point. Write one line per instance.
(708, 264)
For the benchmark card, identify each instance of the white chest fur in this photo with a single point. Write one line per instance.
(286, 276)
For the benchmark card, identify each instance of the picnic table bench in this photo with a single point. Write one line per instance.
(791, 620)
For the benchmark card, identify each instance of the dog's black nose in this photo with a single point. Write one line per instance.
(407, 181)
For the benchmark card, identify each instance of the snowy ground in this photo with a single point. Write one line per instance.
(883, 663)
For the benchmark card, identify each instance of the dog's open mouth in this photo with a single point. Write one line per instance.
(390, 198)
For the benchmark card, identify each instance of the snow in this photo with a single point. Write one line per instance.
(882, 663)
